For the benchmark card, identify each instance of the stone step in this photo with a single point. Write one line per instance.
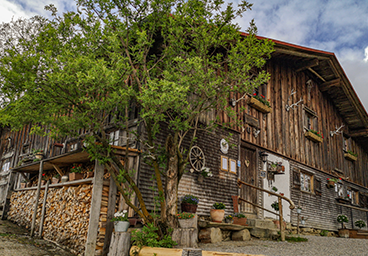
(259, 223)
(264, 232)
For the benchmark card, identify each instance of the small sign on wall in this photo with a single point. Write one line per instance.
(263, 174)
(233, 166)
(224, 163)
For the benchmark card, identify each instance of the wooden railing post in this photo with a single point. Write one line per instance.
(281, 220)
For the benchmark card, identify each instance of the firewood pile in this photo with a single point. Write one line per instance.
(66, 217)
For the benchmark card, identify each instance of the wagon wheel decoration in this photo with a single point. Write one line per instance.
(196, 158)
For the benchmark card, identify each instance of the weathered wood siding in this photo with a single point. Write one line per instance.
(282, 131)
(218, 188)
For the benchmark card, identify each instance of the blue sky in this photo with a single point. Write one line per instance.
(339, 26)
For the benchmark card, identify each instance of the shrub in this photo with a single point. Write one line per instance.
(360, 224)
(219, 206)
(148, 237)
(185, 215)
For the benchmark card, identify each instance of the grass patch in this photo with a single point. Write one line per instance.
(7, 235)
(297, 239)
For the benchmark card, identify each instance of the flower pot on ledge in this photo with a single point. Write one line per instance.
(313, 137)
(350, 157)
(75, 176)
(253, 102)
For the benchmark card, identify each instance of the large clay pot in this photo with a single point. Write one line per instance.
(240, 221)
(192, 208)
(217, 215)
(344, 233)
(75, 176)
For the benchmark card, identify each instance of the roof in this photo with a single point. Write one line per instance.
(332, 80)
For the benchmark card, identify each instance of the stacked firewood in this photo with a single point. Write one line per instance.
(103, 220)
(66, 217)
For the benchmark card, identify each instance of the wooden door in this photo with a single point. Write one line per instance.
(249, 175)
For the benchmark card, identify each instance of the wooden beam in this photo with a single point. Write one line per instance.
(110, 214)
(318, 75)
(94, 215)
(306, 64)
(358, 133)
(299, 54)
(328, 85)
(36, 199)
(44, 208)
(60, 172)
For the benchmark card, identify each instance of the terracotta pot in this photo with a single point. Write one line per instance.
(240, 221)
(23, 185)
(192, 208)
(344, 233)
(39, 156)
(75, 176)
(217, 215)
(54, 180)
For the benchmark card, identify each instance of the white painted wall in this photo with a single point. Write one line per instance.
(282, 182)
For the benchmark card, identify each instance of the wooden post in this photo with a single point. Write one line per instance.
(298, 223)
(94, 214)
(110, 214)
(44, 207)
(281, 220)
(120, 244)
(37, 198)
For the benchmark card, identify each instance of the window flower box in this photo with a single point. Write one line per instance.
(260, 106)
(313, 137)
(350, 157)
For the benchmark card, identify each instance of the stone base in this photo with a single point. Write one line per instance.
(187, 237)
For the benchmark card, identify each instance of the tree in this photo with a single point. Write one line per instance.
(175, 59)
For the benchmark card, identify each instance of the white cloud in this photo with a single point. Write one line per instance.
(366, 54)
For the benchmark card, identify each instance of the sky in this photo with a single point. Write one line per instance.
(338, 26)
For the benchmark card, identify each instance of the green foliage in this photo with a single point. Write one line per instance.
(275, 206)
(274, 189)
(219, 206)
(185, 215)
(317, 133)
(352, 153)
(190, 199)
(120, 216)
(324, 233)
(296, 239)
(342, 218)
(229, 217)
(149, 237)
(76, 168)
(239, 215)
(262, 99)
(360, 223)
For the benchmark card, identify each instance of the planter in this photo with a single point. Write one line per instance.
(192, 208)
(230, 221)
(121, 226)
(39, 156)
(54, 180)
(313, 137)
(217, 215)
(350, 157)
(344, 233)
(64, 178)
(75, 176)
(343, 201)
(188, 223)
(298, 210)
(330, 184)
(240, 221)
(253, 102)
(23, 185)
(301, 222)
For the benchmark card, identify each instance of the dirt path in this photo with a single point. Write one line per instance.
(15, 241)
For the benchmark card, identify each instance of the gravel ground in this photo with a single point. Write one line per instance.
(316, 245)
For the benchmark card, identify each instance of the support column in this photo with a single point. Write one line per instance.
(94, 214)
(44, 207)
(110, 214)
(37, 198)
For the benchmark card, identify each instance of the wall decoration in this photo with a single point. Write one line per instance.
(263, 174)
(224, 145)
(233, 166)
(224, 163)
(196, 158)
(246, 162)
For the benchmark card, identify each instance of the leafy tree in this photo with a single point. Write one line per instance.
(176, 60)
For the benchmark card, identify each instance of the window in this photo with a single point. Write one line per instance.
(296, 179)
(353, 196)
(114, 138)
(306, 182)
(345, 143)
(310, 119)
(339, 189)
(5, 165)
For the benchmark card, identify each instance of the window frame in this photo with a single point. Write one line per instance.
(5, 163)
(311, 177)
(310, 119)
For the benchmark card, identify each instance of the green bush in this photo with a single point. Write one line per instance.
(324, 233)
(148, 237)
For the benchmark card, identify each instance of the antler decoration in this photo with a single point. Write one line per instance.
(337, 131)
(288, 107)
(256, 131)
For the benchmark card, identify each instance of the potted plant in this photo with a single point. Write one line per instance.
(343, 232)
(189, 203)
(331, 182)
(55, 179)
(205, 172)
(38, 153)
(260, 103)
(186, 220)
(360, 224)
(229, 219)
(302, 220)
(76, 172)
(314, 136)
(121, 222)
(274, 189)
(240, 219)
(350, 155)
(299, 210)
(43, 181)
(276, 167)
(217, 214)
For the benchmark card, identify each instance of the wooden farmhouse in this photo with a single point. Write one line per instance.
(302, 130)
